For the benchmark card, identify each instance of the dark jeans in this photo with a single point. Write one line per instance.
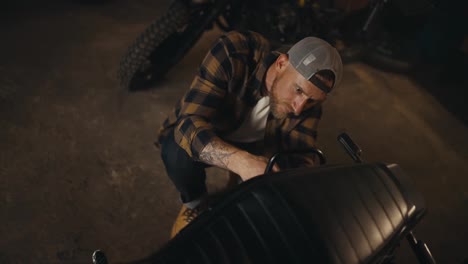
(187, 174)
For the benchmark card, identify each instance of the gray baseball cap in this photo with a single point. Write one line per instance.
(311, 55)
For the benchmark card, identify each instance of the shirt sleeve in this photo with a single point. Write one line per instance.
(199, 105)
(304, 136)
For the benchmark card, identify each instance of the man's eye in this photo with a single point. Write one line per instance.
(298, 90)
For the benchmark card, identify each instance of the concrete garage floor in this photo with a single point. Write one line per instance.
(78, 170)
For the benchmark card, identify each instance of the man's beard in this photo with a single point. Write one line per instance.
(274, 101)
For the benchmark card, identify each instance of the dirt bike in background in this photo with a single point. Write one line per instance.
(353, 32)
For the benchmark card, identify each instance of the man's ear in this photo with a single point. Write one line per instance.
(281, 62)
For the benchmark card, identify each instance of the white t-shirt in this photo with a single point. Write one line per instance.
(253, 127)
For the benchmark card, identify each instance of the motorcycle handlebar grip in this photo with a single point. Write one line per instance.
(350, 147)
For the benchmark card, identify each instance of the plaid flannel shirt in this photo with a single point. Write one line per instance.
(229, 83)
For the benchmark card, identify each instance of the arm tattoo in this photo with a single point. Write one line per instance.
(218, 153)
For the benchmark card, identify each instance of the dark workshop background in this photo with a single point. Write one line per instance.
(78, 170)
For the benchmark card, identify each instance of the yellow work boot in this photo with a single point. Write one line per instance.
(186, 215)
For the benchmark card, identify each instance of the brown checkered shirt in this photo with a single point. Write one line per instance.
(229, 83)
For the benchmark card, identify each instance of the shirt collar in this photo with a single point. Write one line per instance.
(258, 80)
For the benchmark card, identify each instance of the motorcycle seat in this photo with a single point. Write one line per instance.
(331, 214)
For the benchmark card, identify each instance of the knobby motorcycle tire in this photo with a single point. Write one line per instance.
(153, 53)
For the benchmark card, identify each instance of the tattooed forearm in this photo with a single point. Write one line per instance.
(218, 153)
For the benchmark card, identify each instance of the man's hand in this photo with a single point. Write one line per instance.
(224, 155)
(249, 166)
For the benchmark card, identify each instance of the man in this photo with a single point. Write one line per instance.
(245, 104)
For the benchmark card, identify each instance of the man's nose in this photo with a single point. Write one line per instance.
(298, 104)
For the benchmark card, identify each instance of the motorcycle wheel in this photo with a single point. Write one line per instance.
(157, 49)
